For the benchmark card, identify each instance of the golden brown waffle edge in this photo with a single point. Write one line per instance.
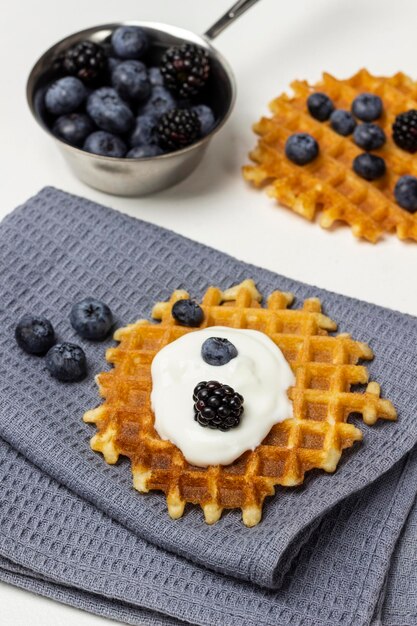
(325, 368)
(328, 188)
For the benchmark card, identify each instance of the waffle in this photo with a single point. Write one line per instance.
(325, 368)
(328, 185)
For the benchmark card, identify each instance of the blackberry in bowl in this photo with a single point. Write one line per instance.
(128, 73)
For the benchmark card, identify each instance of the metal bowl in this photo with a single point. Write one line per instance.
(135, 177)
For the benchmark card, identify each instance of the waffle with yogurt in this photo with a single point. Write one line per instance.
(328, 186)
(325, 368)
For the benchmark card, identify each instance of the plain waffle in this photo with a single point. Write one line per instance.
(328, 186)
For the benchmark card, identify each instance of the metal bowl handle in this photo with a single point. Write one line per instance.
(230, 16)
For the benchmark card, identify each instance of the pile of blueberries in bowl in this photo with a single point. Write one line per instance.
(111, 99)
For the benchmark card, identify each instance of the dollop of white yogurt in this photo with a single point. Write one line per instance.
(260, 373)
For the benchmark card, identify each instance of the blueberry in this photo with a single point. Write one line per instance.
(130, 79)
(66, 362)
(65, 95)
(113, 62)
(91, 319)
(155, 76)
(206, 117)
(369, 166)
(406, 193)
(342, 122)
(367, 107)
(73, 128)
(160, 102)
(369, 136)
(187, 313)
(218, 351)
(130, 42)
(143, 152)
(34, 335)
(301, 148)
(105, 144)
(143, 132)
(320, 106)
(109, 111)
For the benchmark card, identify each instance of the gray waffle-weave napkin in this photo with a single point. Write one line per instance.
(57, 248)
(58, 545)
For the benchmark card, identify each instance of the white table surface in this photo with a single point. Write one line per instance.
(274, 43)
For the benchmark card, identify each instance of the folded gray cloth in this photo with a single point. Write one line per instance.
(326, 545)
(59, 545)
(398, 602)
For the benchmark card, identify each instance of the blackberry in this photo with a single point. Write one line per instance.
(85, 59)
(178, 128)
(185, 69)
(404, 130)
(217, 405)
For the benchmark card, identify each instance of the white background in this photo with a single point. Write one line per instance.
(277, 41)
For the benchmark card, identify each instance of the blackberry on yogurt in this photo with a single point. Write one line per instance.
(217, 406)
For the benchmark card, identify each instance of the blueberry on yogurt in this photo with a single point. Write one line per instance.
(218, 351)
